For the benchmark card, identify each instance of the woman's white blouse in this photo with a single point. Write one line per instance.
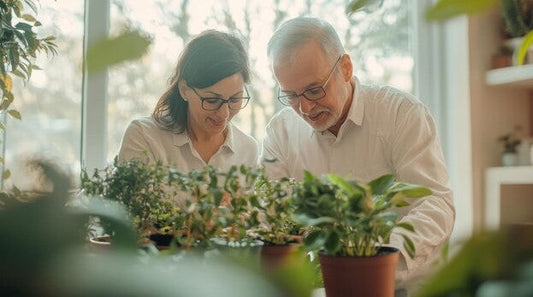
(145, 139)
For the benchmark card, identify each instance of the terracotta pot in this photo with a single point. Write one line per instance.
(274, 257)
(360, 276)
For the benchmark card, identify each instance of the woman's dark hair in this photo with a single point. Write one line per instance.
(208, 58)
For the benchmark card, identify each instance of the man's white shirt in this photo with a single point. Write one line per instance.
(386, 131)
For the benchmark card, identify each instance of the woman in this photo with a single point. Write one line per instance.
(191, 126)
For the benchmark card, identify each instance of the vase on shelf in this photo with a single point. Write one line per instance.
(509, 158)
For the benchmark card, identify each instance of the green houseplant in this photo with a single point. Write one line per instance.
(279, 232)
(219, 209)
(45, 254)
(350, 221)
(216, 207)
(142, 188)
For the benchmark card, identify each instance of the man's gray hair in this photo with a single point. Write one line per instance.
(298, 31)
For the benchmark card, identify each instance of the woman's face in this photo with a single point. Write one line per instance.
(211, 119)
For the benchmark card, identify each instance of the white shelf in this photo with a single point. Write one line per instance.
(511, 174)
(515, 76)
(495, 177)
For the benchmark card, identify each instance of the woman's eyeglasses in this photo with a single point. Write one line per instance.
(215, 103)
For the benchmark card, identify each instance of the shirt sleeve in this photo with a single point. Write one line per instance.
(417, 158)
(134, 145)
(274, 152)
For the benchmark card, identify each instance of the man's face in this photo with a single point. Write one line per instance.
(309, 69)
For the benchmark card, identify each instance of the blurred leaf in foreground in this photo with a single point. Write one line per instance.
(129, 45)
(446, 9)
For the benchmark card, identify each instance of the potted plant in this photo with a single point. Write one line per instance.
(279, 232)
(235, 213)
(351, 221)
(144, 191)
(509, 154)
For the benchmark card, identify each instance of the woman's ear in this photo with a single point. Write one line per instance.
(184, 89)
(347, 67)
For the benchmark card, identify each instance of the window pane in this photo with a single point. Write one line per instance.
(50, 104)
(377, 41)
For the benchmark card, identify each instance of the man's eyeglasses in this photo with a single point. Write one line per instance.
(312, 94)
(215, 103)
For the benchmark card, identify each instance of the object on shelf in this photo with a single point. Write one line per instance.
(511, 47)
(509, 158)
(523, 151)
(509, 154)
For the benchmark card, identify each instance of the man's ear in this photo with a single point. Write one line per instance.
(347, 67)
(184, 89)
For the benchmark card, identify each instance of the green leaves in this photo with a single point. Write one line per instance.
(409, 246)
(341, 183)
(355, 5)
(308, 221)
(485, 256)
(107, 52)
(333, 242)
(446, 9)
(15, 114)
(315, 240)
(350, 217)
(381, 184)
(18, 48)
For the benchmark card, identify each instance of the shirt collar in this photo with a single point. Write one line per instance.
(357, 107)
(181, 139)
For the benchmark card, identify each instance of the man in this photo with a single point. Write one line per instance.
(337, 125)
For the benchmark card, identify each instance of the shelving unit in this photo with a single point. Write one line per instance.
(495, 178)
(515, 76)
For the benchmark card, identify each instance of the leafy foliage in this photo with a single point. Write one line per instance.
(140, 187)
(445, 9)
(129, 45)
(518, 16)
(352, 218)
(217, 204)
(19, 46)
(278, 226)
(45, 255)
(510, 142)
(499, 262)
